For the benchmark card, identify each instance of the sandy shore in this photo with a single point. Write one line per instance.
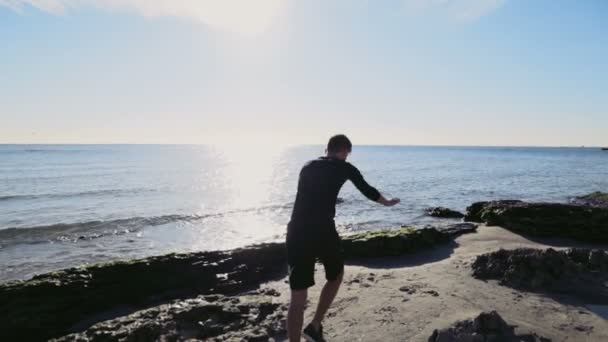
(406, 298)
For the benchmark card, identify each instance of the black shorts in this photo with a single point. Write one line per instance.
(303, 252)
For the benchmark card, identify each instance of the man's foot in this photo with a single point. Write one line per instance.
(313, 335)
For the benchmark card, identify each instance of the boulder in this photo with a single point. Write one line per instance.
(543, 219)
(595, 199)
(384, 243)
(488, 326)
(582, 273)
(443, 212)
(50, 305)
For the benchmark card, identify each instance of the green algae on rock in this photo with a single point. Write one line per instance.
(544, 219)
(57, 303)
(51, 304)
(382, 243)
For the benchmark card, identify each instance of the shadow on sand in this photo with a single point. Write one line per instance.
(559, 242)
(434, 254)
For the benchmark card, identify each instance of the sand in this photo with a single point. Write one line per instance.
(406, 298)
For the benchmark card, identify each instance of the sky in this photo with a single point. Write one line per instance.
(411, 72)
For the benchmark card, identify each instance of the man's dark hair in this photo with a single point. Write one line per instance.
(339, 143)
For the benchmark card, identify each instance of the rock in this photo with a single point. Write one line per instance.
(457, 229)
(488, 326)
(544, 219)
(60, 301)
(443, 212)
(595, 199)
(248, 318)
(578, 272)
(383, 243)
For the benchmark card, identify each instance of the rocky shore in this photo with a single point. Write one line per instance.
(248, 317)
(54, 304)
(586, 219)
(578, 271)
(429, 284)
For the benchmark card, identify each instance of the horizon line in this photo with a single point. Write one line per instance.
(300, 144)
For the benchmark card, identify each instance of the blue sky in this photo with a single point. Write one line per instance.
(429, 72)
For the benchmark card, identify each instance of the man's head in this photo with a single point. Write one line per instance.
(339, 147)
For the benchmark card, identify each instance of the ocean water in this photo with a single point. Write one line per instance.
(69, 205)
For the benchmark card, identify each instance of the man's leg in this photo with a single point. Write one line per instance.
(330, 289)
(301, 277)
(295, 314)
(333, 262)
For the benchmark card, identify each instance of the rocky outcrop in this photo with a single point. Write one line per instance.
(487, 327)
(204, 318)
(582, 273)
(443, 212)
(51, 305)
(544, 219)
(595, 199)
(382, 243)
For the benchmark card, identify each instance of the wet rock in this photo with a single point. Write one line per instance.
(595, 199)
(457, 229)
(544, 219)
(578, 272)
(61, 301)
(443, 212)
(488, 326)
(58, 301)
(383, 243)
(249, 318)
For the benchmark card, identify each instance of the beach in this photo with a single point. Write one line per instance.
(528, 280)
(439, 290)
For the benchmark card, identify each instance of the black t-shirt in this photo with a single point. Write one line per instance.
(318, 187)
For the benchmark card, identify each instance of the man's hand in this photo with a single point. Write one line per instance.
(388, 202)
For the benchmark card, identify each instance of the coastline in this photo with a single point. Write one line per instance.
(399, 284)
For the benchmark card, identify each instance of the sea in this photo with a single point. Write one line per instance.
(71, 205)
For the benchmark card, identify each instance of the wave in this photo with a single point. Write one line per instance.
(75, 194)
(88, 230)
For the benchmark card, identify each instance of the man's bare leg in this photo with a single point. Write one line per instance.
(329, 292)
(295, 314)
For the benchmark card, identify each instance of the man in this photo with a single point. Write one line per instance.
(312, 235)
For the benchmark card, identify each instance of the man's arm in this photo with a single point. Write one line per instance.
(369, 191)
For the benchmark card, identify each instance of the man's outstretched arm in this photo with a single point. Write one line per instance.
(369, 191)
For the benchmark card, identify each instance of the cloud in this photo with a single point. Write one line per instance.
(243, 16)
(460, 10)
